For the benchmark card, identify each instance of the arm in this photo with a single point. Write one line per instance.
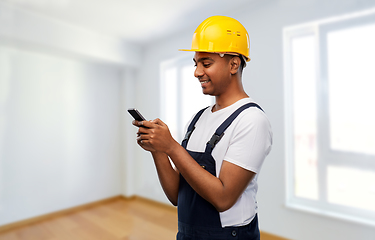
(221, 192)
(169, 178)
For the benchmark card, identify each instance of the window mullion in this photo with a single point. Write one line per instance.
(323, 138)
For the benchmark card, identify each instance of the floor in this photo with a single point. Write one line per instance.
(118, 219)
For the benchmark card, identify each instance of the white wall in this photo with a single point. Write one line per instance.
(66, 138)
(263, 80)
(59, 133)
(62, 105)
(21, 27)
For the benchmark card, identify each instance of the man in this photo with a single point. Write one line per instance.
(214, 182)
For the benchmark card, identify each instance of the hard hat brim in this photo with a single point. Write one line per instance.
(187, 50)
(197, 50)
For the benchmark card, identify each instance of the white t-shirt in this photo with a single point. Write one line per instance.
(246, 143)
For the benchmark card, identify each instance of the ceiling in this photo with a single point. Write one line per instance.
(138, 21)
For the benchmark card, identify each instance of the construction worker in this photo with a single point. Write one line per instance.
(214, 182)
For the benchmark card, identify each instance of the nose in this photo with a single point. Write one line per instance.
(198, 71)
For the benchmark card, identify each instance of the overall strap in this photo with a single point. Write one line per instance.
(192, 127)
(219, 133)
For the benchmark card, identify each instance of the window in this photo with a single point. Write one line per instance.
(330, 116)
(181, 95)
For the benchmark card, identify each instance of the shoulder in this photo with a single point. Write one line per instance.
(253, 111)
(253, 115)
(252, 120)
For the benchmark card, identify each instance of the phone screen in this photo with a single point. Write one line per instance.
(136, 114)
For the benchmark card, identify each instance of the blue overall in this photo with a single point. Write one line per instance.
(197, 218)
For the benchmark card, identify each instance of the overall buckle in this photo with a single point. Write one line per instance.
(214, 140)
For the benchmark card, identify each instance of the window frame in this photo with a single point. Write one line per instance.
(319, 30)
(179, 63)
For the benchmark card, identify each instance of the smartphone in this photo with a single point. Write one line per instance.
(136, 115)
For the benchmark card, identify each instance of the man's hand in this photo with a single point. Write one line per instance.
(154, 136)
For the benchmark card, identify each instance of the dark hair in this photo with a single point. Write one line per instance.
(243, 62)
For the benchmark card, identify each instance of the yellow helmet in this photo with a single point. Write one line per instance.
(219, 34)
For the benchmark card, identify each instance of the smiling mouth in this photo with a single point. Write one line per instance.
(202, 82)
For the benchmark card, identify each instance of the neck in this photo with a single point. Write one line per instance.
(233, 92)
(229, 97)
(220, 103)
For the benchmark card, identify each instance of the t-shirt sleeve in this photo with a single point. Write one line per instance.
(251, 141)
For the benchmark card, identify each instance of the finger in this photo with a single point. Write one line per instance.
(142, 137)
(137, 123)
(145, 146)
(140, 123)
(143, 143)
(148, 124)
(140, 141)
(143, 130)
(158, 122)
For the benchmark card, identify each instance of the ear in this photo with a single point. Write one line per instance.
(235, 64)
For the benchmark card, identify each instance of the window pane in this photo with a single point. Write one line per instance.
(304, 107)
(170, 96)
(351, 75)
(351, 187)
(192, 97)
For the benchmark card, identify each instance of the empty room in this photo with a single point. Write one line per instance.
(296, 162)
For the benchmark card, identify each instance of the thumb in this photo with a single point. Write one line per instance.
(159, 122)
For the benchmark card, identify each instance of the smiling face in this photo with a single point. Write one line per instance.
(213, 72)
